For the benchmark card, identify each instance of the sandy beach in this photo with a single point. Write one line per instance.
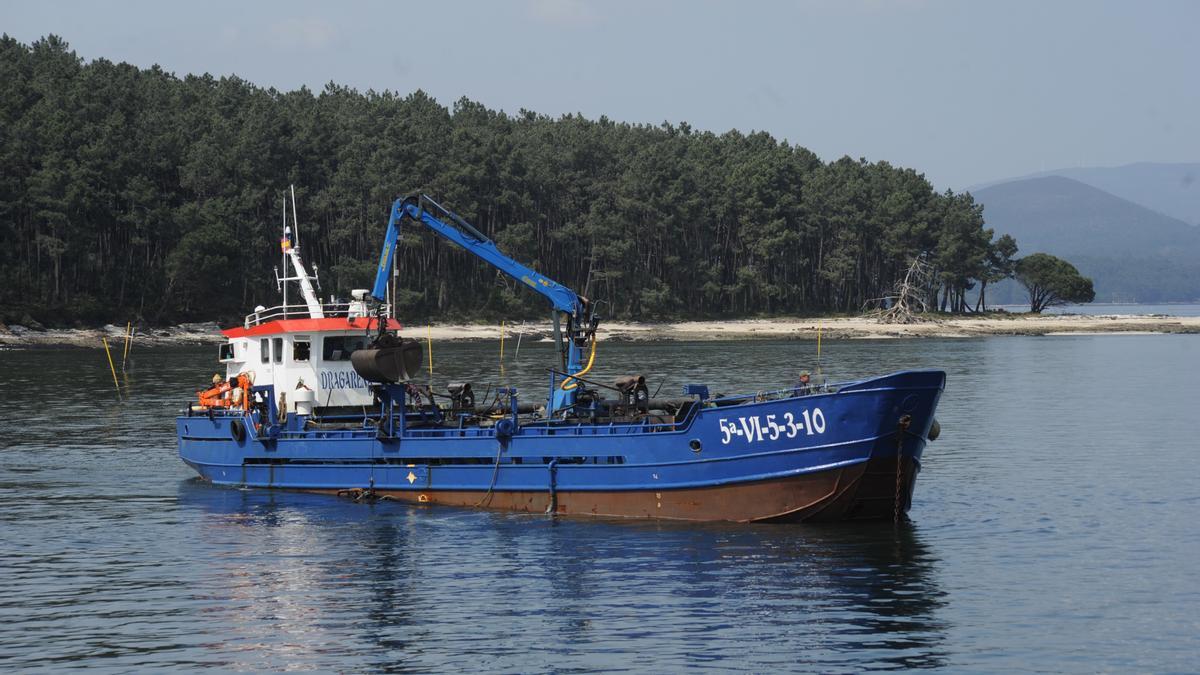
(742, 329)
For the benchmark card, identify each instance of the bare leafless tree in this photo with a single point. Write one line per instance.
(906, 302)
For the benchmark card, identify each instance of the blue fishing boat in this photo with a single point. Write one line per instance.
(322, 397)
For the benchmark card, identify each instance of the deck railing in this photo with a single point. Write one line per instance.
(811, 389)
(351, 309)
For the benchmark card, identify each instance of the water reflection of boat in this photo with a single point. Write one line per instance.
(406, 577)
(840, 597)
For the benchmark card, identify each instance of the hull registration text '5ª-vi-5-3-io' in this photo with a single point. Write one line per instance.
(757, 428)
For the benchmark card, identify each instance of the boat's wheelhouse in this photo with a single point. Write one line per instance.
(291, 350)
(303, 350)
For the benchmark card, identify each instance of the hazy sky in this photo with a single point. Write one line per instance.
(962, 91)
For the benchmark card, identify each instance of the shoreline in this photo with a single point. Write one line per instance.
(788, 328)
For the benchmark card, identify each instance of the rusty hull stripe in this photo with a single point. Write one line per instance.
(859, 492)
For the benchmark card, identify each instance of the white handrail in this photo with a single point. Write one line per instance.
(352, 309)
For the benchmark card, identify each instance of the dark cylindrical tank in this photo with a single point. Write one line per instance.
(394, 362)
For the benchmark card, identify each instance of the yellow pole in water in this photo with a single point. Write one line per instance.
(128, 337)
(112, 367)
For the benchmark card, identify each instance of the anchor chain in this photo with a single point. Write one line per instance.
(901, 430)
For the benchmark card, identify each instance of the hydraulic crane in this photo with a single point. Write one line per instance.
(573, 341)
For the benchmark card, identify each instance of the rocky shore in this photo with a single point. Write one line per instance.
(14, 335)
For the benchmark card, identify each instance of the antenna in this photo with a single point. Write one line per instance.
(295, 217)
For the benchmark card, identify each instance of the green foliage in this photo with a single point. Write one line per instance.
(159, 198)
(998, 265)
(1052, 281)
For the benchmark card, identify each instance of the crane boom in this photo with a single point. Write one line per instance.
(420, 209)
(581, 321)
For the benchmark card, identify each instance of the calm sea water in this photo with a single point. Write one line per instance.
(1056, 527)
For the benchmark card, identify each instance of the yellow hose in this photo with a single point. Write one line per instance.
(571, 383)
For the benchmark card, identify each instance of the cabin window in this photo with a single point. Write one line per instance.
(226, 353)
(278, 349)
(264, 346)
(300, 349)
(339, 347)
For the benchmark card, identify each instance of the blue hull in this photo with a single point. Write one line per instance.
(849, 454)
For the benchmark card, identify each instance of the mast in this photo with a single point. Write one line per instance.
(291, 254)
(284, 243)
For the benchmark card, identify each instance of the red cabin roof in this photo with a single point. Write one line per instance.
(308, 326)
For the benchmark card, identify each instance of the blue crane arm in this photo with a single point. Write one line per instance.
(581, 322)
(471, 240)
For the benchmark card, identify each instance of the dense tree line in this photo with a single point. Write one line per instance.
(129, 193)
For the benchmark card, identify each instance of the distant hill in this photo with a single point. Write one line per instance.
(1170, 189)
(1134, 254)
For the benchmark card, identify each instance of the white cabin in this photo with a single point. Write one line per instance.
(297, 353)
